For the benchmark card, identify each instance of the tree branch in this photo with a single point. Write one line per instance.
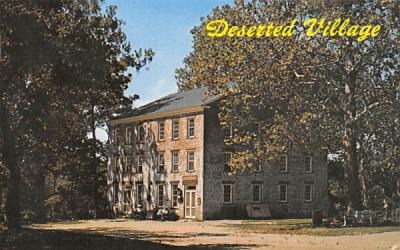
(371, 106)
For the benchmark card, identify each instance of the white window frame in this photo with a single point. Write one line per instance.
(188, 122)
(311, 191)
(127, 190)
(286, 192)
(127, 199)
(128, 163)
(126, 205)
(117, 163)
(230, 129)
(227, 167)
(175, 126)
(308, 164)
(112, 138)
(115, 136)
(259, 193)
(161, 162)
(286, 164)
(116, 193)
(161, 131)
(309, 137)
(139, 129)
(140, 160)
(188, 161)
(173, 163)
(174, 197)
(230, 195)
(160, 202)
(128, 135)
(139, 194)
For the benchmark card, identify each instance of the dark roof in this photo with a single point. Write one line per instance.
(176, 101)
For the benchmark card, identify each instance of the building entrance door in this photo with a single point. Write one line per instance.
(190, 202)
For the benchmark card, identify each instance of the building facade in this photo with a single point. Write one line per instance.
(171, 153)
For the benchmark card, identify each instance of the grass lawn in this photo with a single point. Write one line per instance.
(304, 226)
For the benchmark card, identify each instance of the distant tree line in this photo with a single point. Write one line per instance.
(63, 72)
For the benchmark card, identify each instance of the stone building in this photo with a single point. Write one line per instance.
(171, 153)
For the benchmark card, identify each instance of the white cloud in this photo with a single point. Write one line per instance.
(162, 88)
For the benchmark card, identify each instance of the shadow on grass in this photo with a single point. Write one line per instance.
(57, 239)
(300, 227)
(164, 236)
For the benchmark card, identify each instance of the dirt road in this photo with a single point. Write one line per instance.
(218, 233)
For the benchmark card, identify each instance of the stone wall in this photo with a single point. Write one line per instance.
(209, 175)
(151, 178)
(269, 178)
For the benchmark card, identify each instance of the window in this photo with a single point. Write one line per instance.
(228, 131)
(283, 192)
(190, 161)
(309, 137)
(160, 201)
(175, 130)
(228, 156)
(308, 189)
(257, 193)
(283, 164)
(174, 195)
(127, 196)
(128, 135)
(161, 163)
(116, 193)
(140, 163)
(257, 128)
(227, 193)
(257, 166)
(140, 133)
(175, 161)
(127, 200)
(116, 163)
(128, 162)
(190, 127)
(161, 130)
(112, 138)
(308, 164)
(140, 194)
(115, 135)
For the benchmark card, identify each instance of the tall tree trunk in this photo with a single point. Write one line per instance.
(397, 190)
(94, 160)
(40, 209)
(363, 183)
(53, 215)
(1, 198)
(351, 171)
(14, 178)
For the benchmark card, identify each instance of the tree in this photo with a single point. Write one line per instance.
(56, 56)
(283, 90)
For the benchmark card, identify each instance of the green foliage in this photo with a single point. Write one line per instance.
(70, 183)
(341, 93)
(63, 73)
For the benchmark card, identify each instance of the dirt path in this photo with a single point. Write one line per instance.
(216, 233)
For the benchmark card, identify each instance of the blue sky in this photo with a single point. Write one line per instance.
(164, 26)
